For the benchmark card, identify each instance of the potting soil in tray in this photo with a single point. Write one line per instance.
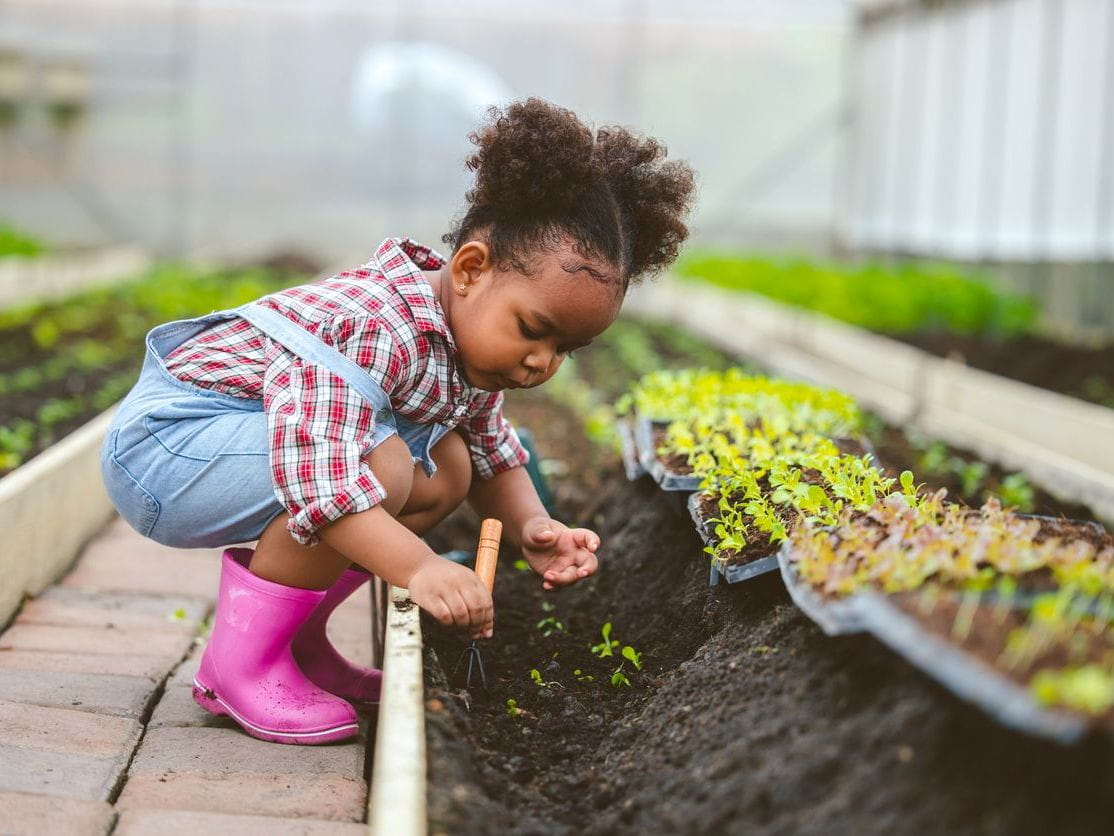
(758, 558)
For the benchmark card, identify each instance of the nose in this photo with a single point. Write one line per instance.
(538, 361)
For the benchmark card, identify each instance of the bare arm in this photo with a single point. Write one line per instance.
(510, 498)
(561, 555)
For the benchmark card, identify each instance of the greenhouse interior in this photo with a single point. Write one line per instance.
(810, 528)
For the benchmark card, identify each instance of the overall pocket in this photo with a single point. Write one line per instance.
(135, 504)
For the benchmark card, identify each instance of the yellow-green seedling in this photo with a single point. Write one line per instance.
(608, 645)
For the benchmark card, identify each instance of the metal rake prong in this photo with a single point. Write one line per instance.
(475, 663)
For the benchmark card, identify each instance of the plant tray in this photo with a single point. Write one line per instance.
(668, 479)
(970, 679)
(632, 464)
(835, 617)
(732, 573)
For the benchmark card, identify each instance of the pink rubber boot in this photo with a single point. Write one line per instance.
(321, 662)
(248, 672)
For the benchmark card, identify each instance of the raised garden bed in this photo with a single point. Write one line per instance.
(947, 312)
(62, 363)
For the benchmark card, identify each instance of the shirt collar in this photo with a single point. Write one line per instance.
(401, 261)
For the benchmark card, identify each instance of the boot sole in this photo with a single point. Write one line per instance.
(208, 699)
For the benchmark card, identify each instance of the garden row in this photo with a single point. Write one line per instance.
(1011, 611)
(942, 309)
(63, 362)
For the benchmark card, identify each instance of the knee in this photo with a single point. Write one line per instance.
(451, 456)
(393, 466)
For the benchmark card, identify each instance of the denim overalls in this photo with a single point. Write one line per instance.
(190, 467)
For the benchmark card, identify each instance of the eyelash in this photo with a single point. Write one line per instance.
(530, 335)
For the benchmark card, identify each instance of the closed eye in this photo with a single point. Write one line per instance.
(526, 332)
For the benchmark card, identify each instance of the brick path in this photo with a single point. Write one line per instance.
(99, 732)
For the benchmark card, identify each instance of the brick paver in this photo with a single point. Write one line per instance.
(80, 670)
(186, 823)
(224, 770)
(62, 752)
(151, 667)
(30, 813)
(123, 696)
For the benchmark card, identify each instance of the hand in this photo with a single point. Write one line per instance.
(454, 595)
(561, 555)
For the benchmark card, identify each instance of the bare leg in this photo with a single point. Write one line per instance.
(414, 499)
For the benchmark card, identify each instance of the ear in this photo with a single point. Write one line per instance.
(468, 265)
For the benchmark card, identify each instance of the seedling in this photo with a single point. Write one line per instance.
(619, 679)
(633, 656)
(551, 625)
(512, 708)
(583, 677)
(539, 680)
(522, 565)
(607, 646)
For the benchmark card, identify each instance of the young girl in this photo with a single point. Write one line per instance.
(338, 421)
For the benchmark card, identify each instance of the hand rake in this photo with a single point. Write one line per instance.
(487, 559)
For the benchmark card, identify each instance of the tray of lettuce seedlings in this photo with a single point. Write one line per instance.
(1010, 612)
(760, 453)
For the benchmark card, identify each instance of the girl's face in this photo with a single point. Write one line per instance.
(513, 330)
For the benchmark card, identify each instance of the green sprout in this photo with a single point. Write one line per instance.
(608, 645)
(633, 656)
(512, 708)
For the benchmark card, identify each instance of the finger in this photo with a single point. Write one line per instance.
(459, 606)
(586, 539)
(588, 566)
(440, 611)
(479, 604)
(563, 576)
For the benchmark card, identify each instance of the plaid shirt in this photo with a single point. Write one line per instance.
(385, 318)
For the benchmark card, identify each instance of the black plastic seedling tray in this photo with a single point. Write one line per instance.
(632, 465)
(964, 675)
(836, 617)
(667, 479)
(732, 573)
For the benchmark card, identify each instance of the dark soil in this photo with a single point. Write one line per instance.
(745, 718)
(1086, 373)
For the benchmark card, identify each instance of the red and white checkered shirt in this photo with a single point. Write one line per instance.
(385, 318)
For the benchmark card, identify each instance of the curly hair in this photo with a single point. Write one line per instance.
(542, 176)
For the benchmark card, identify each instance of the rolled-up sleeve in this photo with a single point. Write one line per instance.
(321, 429)
(492, 442)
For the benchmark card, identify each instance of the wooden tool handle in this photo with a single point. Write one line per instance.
(487, 552)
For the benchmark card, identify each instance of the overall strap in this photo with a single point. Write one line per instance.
(310, 348)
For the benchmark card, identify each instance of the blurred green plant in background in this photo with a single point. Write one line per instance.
(899, 299)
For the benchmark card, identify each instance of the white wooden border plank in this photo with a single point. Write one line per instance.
(49, 508)
(397, 805)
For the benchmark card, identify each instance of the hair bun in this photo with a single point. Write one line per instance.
(533, 158)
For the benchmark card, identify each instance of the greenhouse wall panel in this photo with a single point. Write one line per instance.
(998, 146)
